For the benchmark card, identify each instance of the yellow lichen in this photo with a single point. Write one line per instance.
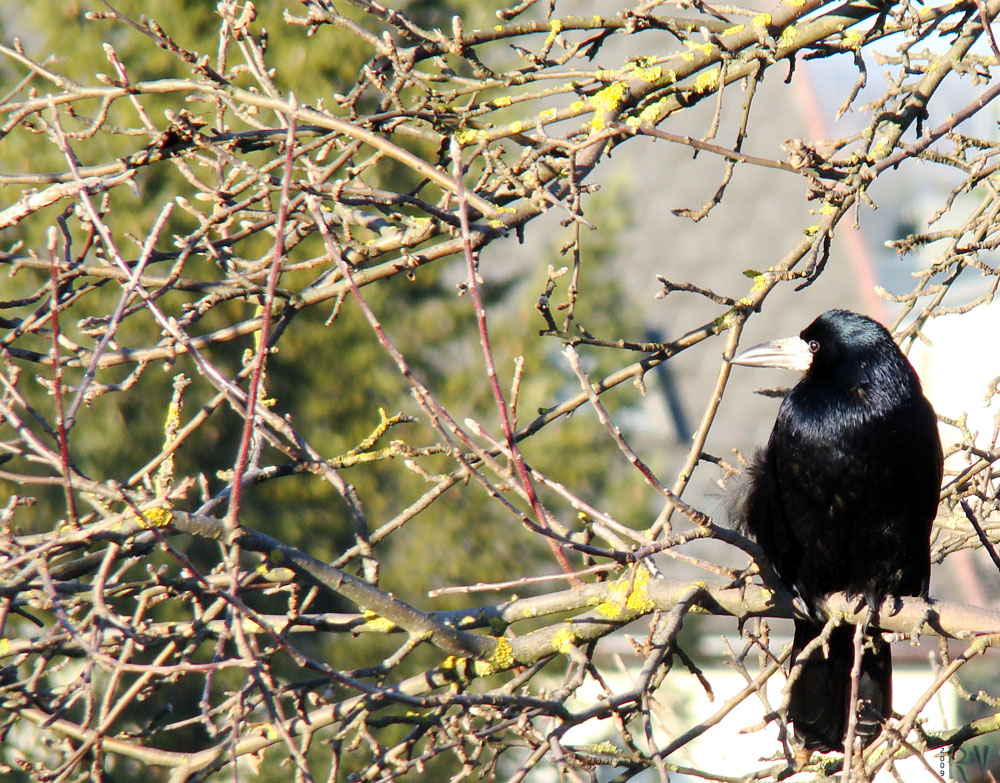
(598, 20)
(482, 668)
(375, 622)
(547, 115)
(810, 230)
(555, 27)
(173, 417)
(704, 48)
(606, 747)
(609, 609)
(649, 115)
(503, 656)
(707, 81)
(498, 28)
(515, 127)
(736, 28)
(853, 39)
(629, 592)
(163, 479)
(577, 107)
(503, 100)
(788, 36)
(638, 599)
(564, 641)
(881, 148)
(646, 73)
(466, 136)
(610, 97)
(761, 20)
(605, 102)
(159, 516)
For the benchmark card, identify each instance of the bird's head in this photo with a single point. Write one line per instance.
(839, 345)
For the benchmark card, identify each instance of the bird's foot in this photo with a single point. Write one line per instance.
(897, 605)
(915, 630)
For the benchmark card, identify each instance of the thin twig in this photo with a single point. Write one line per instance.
(984, 540)
(852, 704)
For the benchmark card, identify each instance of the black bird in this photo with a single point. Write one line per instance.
(842, 499)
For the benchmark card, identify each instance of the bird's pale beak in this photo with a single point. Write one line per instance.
(790, 353)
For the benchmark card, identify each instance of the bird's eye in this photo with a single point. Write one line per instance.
(813, 346)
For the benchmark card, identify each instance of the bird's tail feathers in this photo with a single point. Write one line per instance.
(820, 697)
